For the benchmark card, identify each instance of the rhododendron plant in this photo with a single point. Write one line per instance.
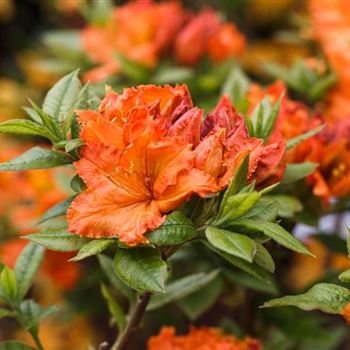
(154, 173)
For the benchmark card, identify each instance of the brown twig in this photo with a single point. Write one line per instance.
(134, 322)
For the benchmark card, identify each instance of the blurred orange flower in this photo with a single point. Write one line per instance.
(200, 339)
(206, 34)
(346, 313)
(331, 28)
(146, 152)
(140, 30)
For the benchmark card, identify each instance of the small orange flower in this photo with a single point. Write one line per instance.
(140, 30)
(346, 313)
(200, 339)
(147, 151)
(206, 34)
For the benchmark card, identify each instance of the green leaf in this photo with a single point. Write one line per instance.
(57, 210)
(245, 266)
(276, 232)
(326, 297)
(288, 205)
(173, 75)
(106, 264)
(14, 345)
(236, 85)
(265, 210)
(235, 244)
(263, 258)
(291, 143)
(73, 144)
(238, 205)
(25, 127)
(236, 184)
(5, 313)
(36, 158)
(58, 240)
(31, 314)
(345, 276)
(263, 118)
(142, 269)
(176, 230)
(77, 184)
(32, 114)
(92, 248)
(182, 288)
(241, 278)
(298, 171)
(62, 97)
(195, 304)
(132, 69)
(114, 308)
(27, 265)
(8, 284)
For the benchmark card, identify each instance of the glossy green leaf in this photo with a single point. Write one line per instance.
(238, 205)
(176, 230)
(62, 97)
(92, 248)
(58, 240)
(276, 232)
(106, 264)
(26, 267)
(114, 308)
(36, 158)
(263, 258)
(77, 184)
(232, 243)
(182, 288)
(298, 171)
(142, 269)
(245, 266)
(57, 210)
(265, 210)
(326, 297)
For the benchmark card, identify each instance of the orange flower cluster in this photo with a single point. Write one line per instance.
(147, 151)
(200, 339)
(346, 313)
(143, 30)
(331, 28)
(25, 196)
(330, 148)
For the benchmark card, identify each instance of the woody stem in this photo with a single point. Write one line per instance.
(134, 321)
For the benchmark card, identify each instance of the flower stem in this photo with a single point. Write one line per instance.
(37, 341)
(134, 321)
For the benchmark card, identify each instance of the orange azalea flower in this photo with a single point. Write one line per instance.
(140, 30)
(346, 313)
(206, 34)
(200, 339)
(147, 151)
